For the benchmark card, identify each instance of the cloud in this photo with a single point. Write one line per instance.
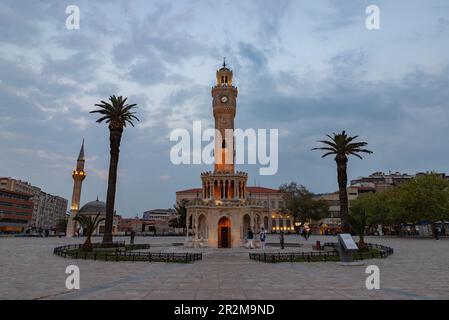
(305, 68)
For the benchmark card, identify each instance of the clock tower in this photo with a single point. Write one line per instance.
(223, 214)
(224, 104)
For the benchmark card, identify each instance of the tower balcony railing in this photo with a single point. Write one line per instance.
(224, 173)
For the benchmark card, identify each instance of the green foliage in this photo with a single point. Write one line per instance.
(423, 198)
(300, 202)
(181, 215)
(341, 145)
(116, 111)
(89, 224)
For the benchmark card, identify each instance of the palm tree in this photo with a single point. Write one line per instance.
(118, 114)
(89, 224)
(341, 145)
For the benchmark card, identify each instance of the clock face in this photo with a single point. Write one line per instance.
(224, 99)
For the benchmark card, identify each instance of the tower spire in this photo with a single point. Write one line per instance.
(224, 62)
(81, 155)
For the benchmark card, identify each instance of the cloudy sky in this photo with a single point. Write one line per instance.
(307, 68)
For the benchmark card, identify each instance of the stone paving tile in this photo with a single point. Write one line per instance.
(419, 269)
(171, 294)
(221, 294)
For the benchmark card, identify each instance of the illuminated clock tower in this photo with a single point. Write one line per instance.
(224, 105)
(222, 215)
(78, 176)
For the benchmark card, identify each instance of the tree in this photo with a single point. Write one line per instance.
(117, 114)
(359, 217)
(302, 204)
(181, 215)
(341, 145)
(89, 224)
(424, 198)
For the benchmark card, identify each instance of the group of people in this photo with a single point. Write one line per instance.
(305, 233)
(262, 235)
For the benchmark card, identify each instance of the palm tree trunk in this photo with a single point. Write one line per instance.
(115, 135)
(87, 246)
(343, 194)
(362, 244)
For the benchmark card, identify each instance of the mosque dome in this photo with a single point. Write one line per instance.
(93, 207)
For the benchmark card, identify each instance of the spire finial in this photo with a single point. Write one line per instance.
(81, 155)
(224, 62)
(97, 197)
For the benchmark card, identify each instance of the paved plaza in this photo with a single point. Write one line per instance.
(419, 269)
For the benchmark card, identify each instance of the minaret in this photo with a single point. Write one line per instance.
(224, 105)
(78, 176)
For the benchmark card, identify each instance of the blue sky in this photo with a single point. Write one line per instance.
(307, 68)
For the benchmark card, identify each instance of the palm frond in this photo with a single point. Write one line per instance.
(116, 111)
(341, 144)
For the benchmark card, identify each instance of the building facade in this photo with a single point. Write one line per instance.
(16, 210)
(331, 224)
(162, 215)
(131, 224)
(270, 199)
(47, 209)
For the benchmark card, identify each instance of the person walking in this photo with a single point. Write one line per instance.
(133, 234)
(436, 233)
(303, 233)
(249, 238)
(263, 237)
(282, 240)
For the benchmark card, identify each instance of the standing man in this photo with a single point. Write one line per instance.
(133, 234)
(282, 240)
(249, 238)
(436, 233)
(263, 237)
